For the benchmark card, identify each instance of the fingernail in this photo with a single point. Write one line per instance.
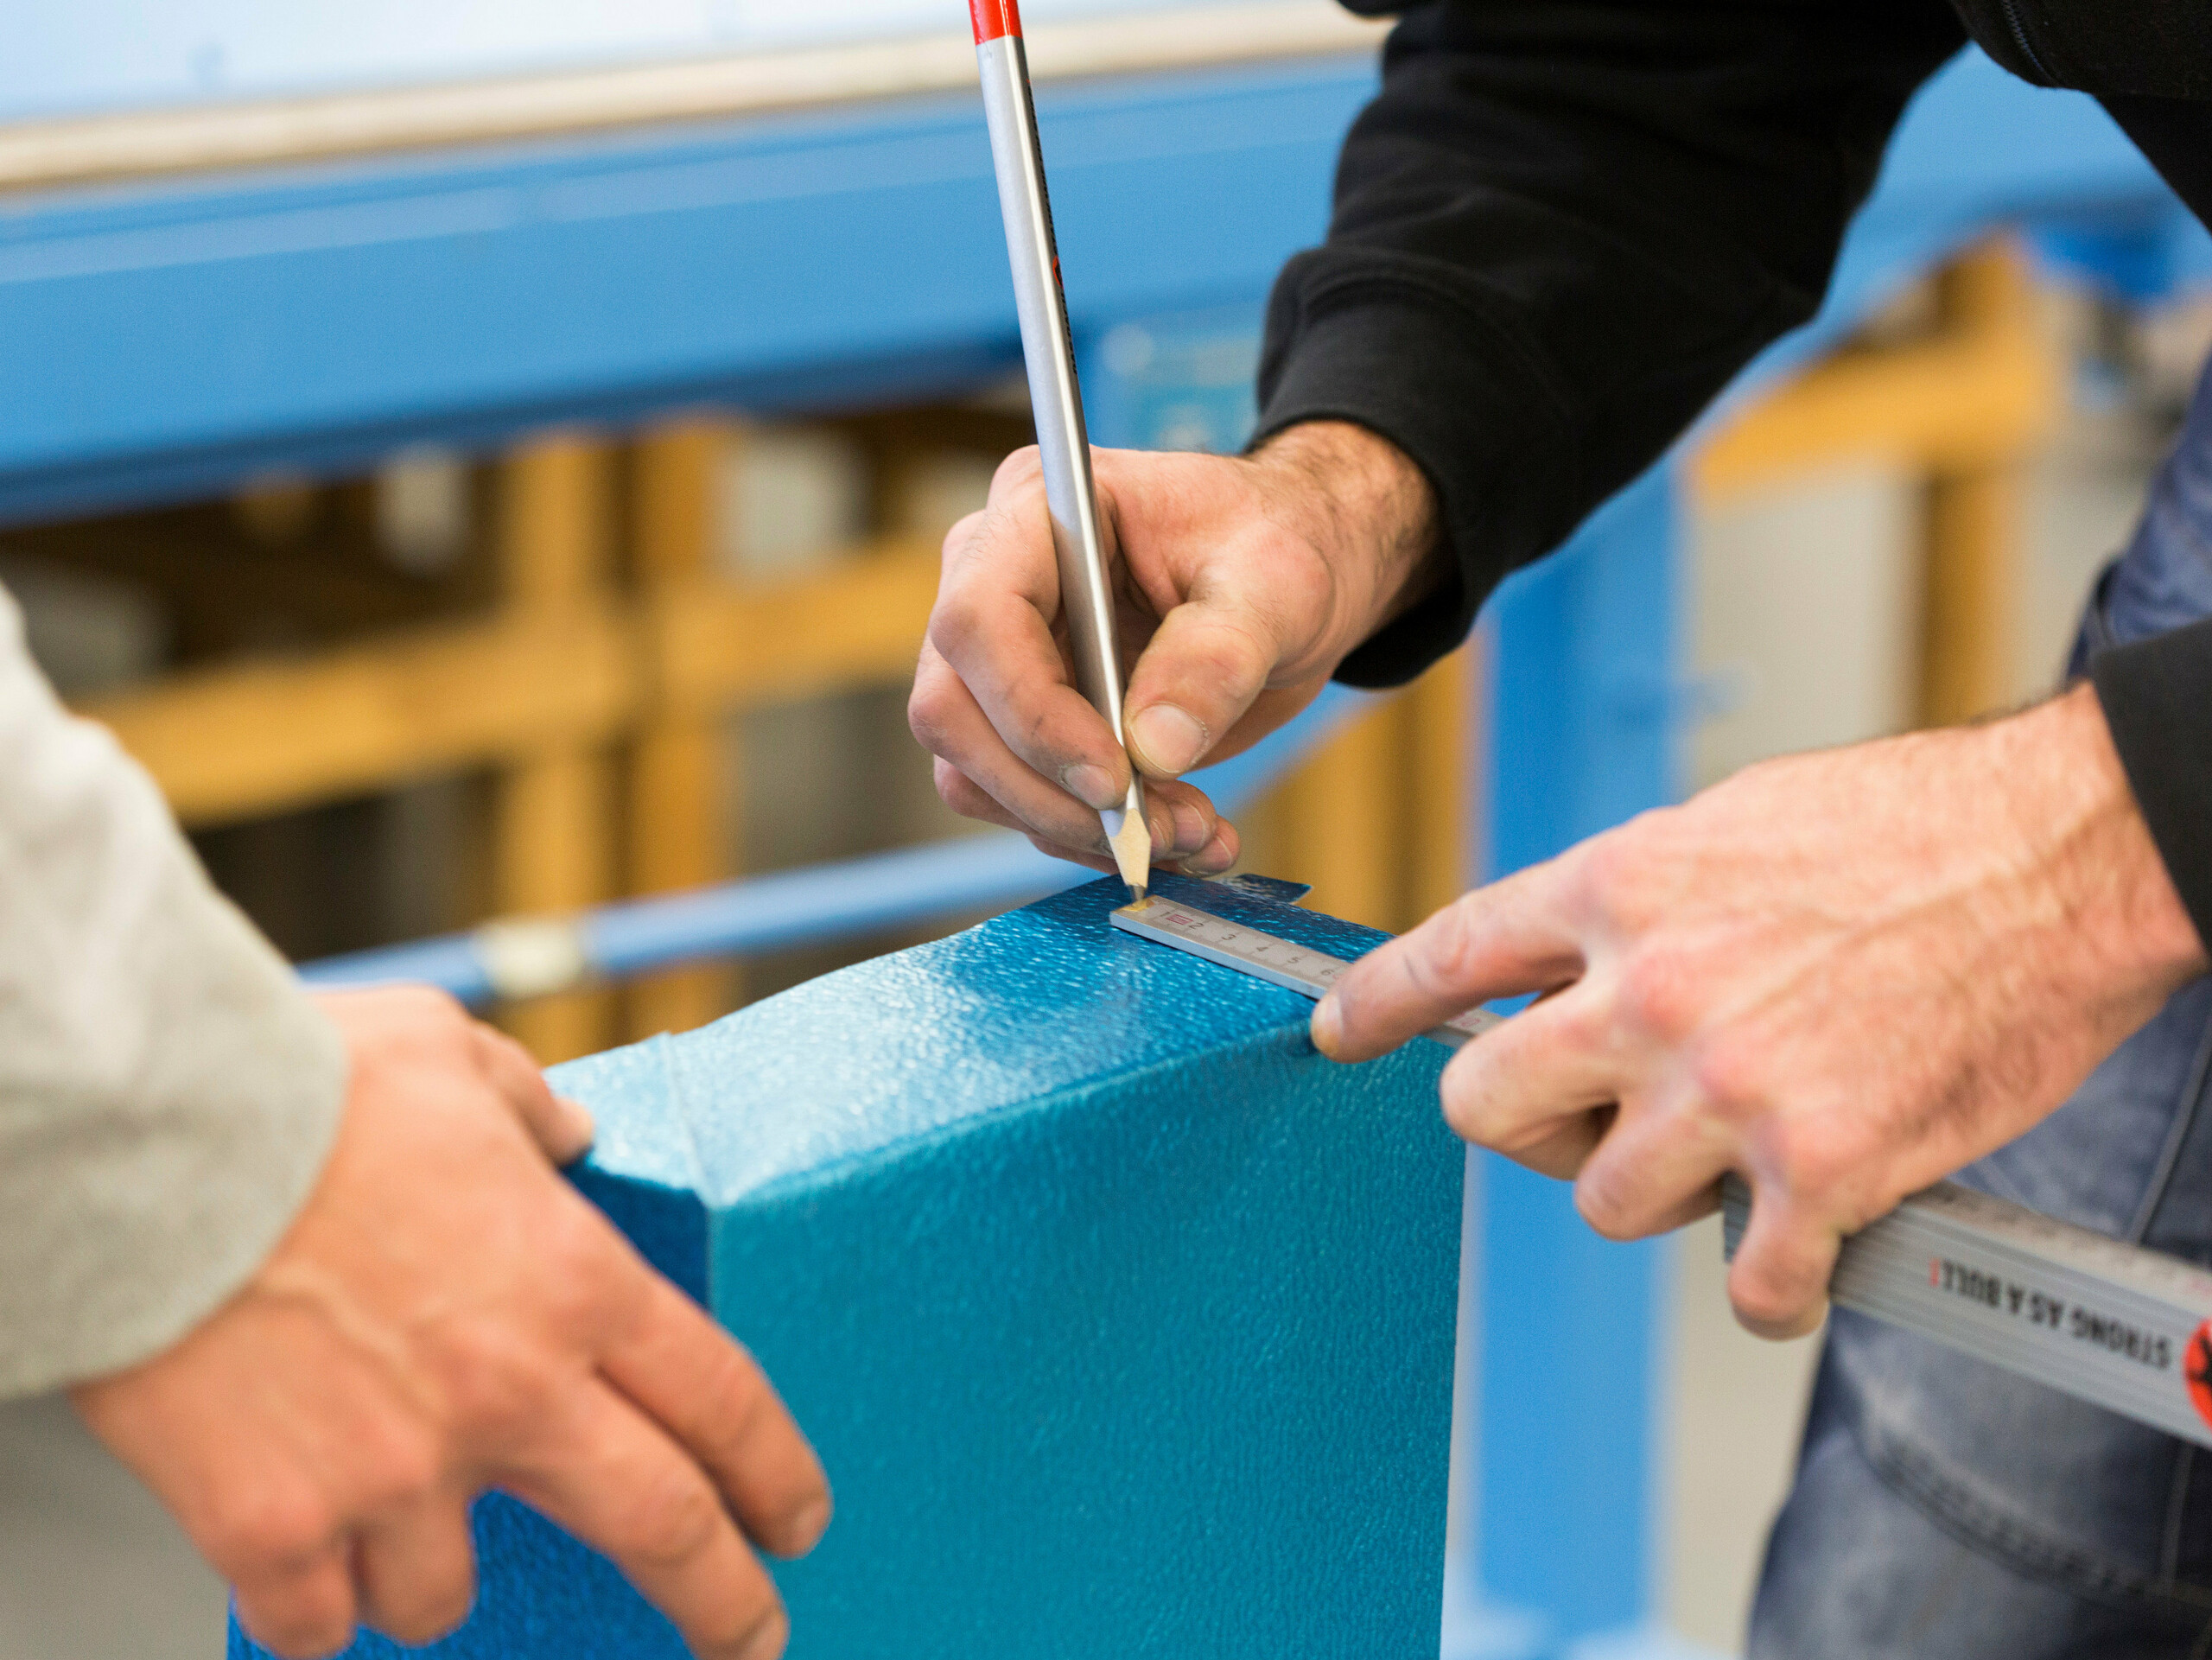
(1092, 785)
(577, 1130)
(807, 1525)
(1327, 1027)
(1167, 740)
(765, 1641)
(1211, 859)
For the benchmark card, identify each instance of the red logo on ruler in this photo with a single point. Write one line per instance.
(2196, 1367)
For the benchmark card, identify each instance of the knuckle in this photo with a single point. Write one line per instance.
(252, 1532)
(1605, 1203)
(1449, 958)
(957, 791)
(588, 1267)
(1469, 1110)
(929, 713)
(494, 1394)
(1609, 876)
(1729, 1079)
(435, 1013)
(675, 1520)
(1660, 994)
(959, 626)
(407, 1469)
(429, 1027)
(1231, 654)
(1811, 1159)
(1020, 466)
(961, 533)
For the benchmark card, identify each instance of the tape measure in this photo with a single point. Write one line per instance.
(2126, 1328)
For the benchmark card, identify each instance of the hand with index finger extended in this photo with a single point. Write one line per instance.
(1530, 1089)
(1843, 975)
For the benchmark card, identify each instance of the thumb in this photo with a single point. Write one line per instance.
(1209, 657)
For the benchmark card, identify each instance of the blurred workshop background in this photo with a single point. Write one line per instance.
(489, 463)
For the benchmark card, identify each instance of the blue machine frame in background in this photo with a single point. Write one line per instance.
(164, 340)
(172, 339)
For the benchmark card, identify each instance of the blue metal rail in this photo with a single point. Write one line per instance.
(818, 904)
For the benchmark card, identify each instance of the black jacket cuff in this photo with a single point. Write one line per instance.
(2157, 700)
(1457, 393)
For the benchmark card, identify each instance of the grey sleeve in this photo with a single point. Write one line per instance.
(168, 1092)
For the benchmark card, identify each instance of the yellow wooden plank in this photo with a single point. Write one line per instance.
(1347, 807)
(1439, 782)
(235, 742)
(674, 482)
(1950, 405)
(552, 852)
(554, 810)
(553, 523)
(1977, 394)
(1972, 532)
(720, 644)
(231, 742)
(680, 797)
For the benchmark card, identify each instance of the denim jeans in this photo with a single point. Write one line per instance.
(1943, 1508)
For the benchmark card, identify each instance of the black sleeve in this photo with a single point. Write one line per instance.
(1560, 230)
(2157, 700)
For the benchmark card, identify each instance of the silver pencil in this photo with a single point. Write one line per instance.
(1056, 401)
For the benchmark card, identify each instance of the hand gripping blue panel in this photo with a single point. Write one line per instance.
(1122, 1319)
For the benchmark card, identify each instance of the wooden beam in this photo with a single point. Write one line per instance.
(1972, 576)
(553, 809)
(1439, 767)
(238, 742)
(260, 737)
(720, 644)
(680, 831)
(1341, 816)
(1972, 528)
(1977, 395)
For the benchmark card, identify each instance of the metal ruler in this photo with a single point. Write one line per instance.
(2128, 1329)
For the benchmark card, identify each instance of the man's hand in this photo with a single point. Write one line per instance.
(446, 1315)
(1241, 583)
(1843, 974)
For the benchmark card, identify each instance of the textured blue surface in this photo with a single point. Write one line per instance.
(1122, 1319)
